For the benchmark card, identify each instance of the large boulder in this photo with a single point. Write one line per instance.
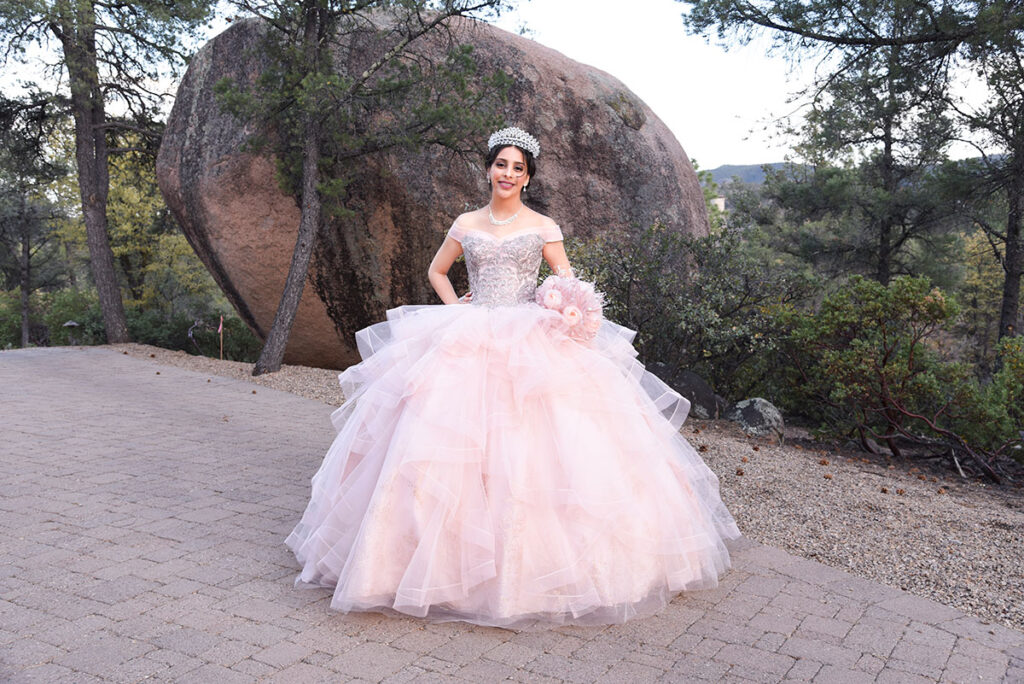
(606, 162)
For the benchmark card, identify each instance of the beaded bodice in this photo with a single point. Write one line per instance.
(503, 270)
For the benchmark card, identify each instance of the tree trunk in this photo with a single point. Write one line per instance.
(78, 38)
(272, 353)
(1013, 261)
(25, 272)
(884, 272)
(69, 266)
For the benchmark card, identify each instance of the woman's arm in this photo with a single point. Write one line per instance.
(438, 271)
(554, 254)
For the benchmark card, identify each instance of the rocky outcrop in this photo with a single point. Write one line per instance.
(607, 161)
(757, 417)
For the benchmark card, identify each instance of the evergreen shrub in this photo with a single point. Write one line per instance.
(707, 304)
(82, 307)
(10, 319)
(171, 331)
(872, 362)
(240, 344)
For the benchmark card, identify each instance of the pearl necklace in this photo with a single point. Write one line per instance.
(503, 222)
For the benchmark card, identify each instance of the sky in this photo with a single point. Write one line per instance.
(721, 105)
(718, 103)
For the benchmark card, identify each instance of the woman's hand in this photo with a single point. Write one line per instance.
(466, 298)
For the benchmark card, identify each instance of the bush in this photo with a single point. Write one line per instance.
(870, 363)
(240, 344)
(10, 319)
(155, 326)
(79, 306)
(705, 304)
(865, 353)
(1003, 431)
(197, 336)
(152, 326)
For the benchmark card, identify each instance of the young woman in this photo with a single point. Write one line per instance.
(492, 467)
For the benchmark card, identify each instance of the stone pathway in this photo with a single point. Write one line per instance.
(143, 508)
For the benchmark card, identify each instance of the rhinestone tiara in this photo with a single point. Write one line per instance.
(514, 135)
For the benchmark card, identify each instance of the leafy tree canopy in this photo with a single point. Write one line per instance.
(138, 44)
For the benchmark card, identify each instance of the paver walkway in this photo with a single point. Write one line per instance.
(143, 508)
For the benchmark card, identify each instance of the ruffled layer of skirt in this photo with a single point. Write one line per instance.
(488, 468)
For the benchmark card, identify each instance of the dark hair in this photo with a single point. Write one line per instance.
(531, 163)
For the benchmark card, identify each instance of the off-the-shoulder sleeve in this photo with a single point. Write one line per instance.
(456, 232)
(551, 233)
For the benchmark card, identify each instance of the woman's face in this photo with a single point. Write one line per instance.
(508, 173)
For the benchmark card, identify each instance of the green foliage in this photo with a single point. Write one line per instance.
(240, 344)
(83, 308)
(29, 256)
(979, 288)
(160, 327)
(175, 279)
(882, 103)
(1006, 395)
(707, 304)
(427, 101)
(149, 326)
(10, 319)
(716, 216)
(828, 217)
(138, 43)
(157, 266)
(870, 362)
(195, 336)
(867, 350)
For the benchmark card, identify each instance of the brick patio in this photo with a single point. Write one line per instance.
(143, 509)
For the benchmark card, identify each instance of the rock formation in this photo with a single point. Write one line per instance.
(704, 402)
(758, 416)
(606, 161)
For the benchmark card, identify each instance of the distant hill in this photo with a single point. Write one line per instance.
(747, 173)
(754, 173)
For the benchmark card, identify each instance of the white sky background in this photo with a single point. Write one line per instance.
(710, 99)
(719, 104)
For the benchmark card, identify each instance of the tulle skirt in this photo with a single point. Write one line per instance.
(489, 468)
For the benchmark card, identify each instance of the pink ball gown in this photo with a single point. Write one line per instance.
(489, 468)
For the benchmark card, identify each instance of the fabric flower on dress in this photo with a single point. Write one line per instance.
(577, 301)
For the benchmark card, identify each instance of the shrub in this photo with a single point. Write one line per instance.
(79, 306)
(152, 326)
(10, 319)
(1002, 430)
(240, 344)
(706, 304)
(870, 363)
(156, 326)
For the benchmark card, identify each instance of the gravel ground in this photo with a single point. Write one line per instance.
(958, 542)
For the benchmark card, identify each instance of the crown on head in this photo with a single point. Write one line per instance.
(514, 135)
